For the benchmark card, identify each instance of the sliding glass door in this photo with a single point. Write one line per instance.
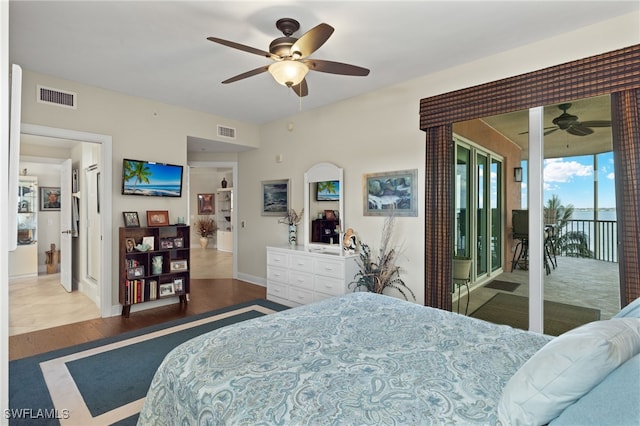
(478, 190)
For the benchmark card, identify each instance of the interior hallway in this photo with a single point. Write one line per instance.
(41, 302)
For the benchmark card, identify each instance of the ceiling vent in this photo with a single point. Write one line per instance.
(226, 132)
(58, 97)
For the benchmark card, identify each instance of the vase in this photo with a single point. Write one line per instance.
(292, 235)
(204, 242)
(156, 265)
(224, 183)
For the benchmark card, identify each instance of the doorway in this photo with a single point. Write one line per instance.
(219, 258)
(103, 144)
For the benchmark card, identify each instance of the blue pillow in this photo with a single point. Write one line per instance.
(632, 310)
(566, 369)
(615, 401)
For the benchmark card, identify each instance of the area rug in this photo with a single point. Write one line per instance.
(502, 285)
(509, 309)
(104, 382)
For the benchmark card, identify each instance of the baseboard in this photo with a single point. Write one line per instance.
(261, 281)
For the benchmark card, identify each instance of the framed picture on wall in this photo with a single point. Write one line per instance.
(390, 193)
(49, 198)
(275, 197)
(206, 204)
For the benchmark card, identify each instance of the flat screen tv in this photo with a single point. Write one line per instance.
(151, 179)
(328, 190)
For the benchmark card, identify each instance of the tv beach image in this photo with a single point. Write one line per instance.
(153, 179)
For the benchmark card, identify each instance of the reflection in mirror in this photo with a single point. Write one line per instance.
(579, 215)
(324, 213)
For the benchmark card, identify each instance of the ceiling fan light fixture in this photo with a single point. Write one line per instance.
(288, 73)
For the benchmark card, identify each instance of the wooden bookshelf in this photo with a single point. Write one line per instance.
(157, 273)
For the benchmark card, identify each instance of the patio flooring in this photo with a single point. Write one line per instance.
(576, 281)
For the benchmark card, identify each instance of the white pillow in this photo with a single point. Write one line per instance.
(566, 368)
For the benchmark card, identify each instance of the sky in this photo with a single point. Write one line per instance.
(572, 178)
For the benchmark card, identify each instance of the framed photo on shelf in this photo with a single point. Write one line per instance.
(330, 215)
(206, 204)
(166, 243)
(136, 272)
(148, 241)
(49, 198)
(275, 197)
(179, 265)
(130, 245)
(157, 218)
(167, 289)
(131, 219)
(390, 193)
(178, 242)
(178, 285)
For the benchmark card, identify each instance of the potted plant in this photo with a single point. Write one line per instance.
(205, 227)
(376, 275)
(292, 219)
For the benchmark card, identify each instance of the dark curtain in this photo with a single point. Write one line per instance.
(439, 219)
(625, 110)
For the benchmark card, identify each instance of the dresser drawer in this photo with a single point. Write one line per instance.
(301, 296)
(277, 258)
(331, 286)
(329, 268)
(301, 279)
(275, 273)
(278, 290)
(301, 263)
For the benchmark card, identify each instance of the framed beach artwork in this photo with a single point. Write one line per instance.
(391, 193)
(275, 197)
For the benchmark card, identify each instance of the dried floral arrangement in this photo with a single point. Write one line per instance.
(376, 275)
(205, 226)
(292, 218)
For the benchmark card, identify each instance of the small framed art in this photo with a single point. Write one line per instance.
(206, 204)
(131, 219)
(178, 265)
(157, 218)
(275, 197)
(167, 290)
(178, 285)
(49, 198)
(391, 193)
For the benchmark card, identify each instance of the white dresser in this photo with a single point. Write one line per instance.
(297, 276)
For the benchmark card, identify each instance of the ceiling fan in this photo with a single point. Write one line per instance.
(571, 125)
(291, 56)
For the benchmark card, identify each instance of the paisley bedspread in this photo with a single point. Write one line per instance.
(357, 359)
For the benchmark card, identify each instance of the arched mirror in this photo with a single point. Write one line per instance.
(323, 207)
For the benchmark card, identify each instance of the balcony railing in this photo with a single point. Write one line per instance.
(600, 236)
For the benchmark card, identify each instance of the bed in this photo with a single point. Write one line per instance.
(364, 358)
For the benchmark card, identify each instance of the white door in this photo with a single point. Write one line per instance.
(93, 229)
(65, 225)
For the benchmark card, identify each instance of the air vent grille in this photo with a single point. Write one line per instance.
(57, 97)
(226, 132)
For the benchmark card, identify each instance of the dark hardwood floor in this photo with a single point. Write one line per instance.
(206, 295)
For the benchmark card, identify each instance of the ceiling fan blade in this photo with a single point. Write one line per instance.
(548, 132)
(336, 67)
(301, 89)
(546, 128)
(311, 41)
(596, 123)
(247, 74)
(579, 129)
(242, 47)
